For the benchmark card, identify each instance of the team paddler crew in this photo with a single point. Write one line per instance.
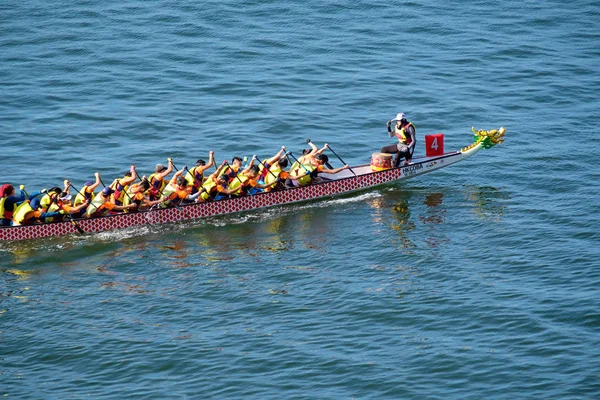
(9, 202)
(405, 132)
(195, 176)
(157, 182)
(102, 204)
(186, 185)
(247, 182)
(305, 174)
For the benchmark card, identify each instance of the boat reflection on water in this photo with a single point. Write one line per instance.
(416, 215)
(489, 202)
(257, 234)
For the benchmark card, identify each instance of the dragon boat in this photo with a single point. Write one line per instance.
(357, 178)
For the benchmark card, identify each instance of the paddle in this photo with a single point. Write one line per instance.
(52, 201)
(295, 159)
(70, 217)
(339, 158)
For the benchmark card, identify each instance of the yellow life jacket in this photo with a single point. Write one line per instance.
(236, 184)
(401, 134)
(95, 205)
(127, 199)
(21, 212)
(45, 201)
(122, 195)
(52, 208)
(2, 201)
(207, 186)
(306, 179)
(82, 196)
(152, 178)
(167, 191)
(275, 170)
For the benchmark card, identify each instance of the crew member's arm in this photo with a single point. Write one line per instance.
(332, 171)
(413, 140)
(91, 189)
(113, 207)
(320, 151)
(276, 157)
(167, 171)
(131, 179)
(211, 161)
(261, 186)
(301, 172)
(173, 180)
(72, 210)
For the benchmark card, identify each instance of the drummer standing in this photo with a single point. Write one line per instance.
(405, 132)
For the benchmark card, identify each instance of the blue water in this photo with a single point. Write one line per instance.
(477, 281)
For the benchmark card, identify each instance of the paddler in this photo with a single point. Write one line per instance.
(102, 204)
(137, 194)
(405, 132)
(9, 202)
(273, 169)
(177, 191)
(195, 176)
(305, 174)
(122, 185)
(63, 206)
(209, 190)
(308, 155)
(232, 170)
(157, 182)
(86, 193)
(42, 200)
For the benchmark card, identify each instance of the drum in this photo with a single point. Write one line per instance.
(381, 161)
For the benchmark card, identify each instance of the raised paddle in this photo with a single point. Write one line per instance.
(339, 158)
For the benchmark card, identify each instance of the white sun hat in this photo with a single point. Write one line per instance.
(400, 116)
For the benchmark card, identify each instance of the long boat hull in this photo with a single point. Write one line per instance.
(341, 183)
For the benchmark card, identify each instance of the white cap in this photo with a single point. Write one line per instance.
(67, 197)
(399, 116)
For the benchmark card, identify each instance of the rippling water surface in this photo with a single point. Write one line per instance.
(477, 281)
